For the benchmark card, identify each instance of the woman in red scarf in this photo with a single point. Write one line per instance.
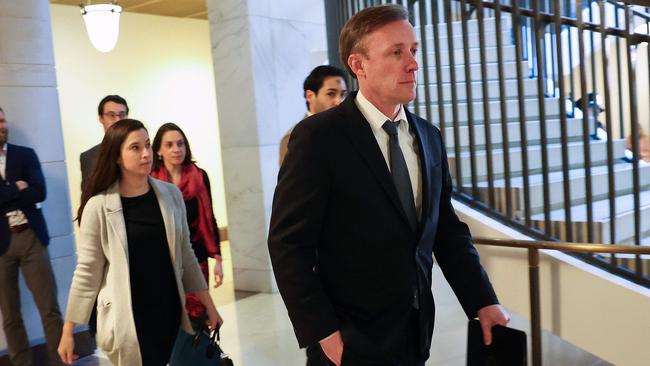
(174, 164)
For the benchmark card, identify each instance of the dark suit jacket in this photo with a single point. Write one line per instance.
(22, 164)
(343, 253)
(88, 160)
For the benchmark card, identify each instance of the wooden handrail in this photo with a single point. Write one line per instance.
(533, 247)
(564, 246)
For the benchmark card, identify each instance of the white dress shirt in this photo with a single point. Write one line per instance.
(15, 217)
(407, 143)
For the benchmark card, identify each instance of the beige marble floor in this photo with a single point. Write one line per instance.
(257, 331)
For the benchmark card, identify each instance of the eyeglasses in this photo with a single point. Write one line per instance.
(122, 115)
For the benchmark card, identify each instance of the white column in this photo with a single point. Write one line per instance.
(28, 95)
(262, 52)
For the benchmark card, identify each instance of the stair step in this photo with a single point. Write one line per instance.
(474, 56)
(552, 109)
(554, 153)
(509, 71)
(599, 179)
(553, 133)
(510, 88)
(473, 40)
(472, 26)
(624, 219)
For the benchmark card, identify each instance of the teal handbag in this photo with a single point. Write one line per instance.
(200, 349)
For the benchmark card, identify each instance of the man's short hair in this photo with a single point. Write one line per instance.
(1, 110)
(111, 98)
(317, 76)
(363, 23)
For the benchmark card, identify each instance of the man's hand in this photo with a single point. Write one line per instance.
(489, 316)
(21, 184)
(333, 347)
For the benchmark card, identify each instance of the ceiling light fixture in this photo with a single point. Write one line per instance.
(102, 24)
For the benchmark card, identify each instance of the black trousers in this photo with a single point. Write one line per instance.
(411, 355)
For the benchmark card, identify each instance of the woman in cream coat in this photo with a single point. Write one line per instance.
(139, 309)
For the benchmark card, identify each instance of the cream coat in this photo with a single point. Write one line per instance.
(102, 270)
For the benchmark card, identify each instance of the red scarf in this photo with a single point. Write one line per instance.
(193, 186)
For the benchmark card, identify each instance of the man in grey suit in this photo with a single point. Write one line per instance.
(111, 109)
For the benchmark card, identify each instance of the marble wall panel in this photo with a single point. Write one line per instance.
(34, 120)
(27, 75)
(56, 207)
(26, 41)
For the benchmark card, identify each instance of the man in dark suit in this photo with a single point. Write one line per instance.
(363, 200)
(111, 109)
(23, 242)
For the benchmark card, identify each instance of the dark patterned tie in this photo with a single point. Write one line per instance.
(400, 173)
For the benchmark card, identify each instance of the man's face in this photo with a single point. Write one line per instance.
(387, 73)
(331, 94)
(113, 112)
(4, 131)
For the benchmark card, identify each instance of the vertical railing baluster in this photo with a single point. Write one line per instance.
(505, 139)
(470, 100)
(486, 105)
(610, 140)
(563, 126)
(454, 96)
(436, 45)
(425, 57)
(539, 30)
(586, 139)
(634, 128)
(594, 85)
(522, 114)
(619, 73)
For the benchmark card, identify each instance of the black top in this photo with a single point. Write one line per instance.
(192, 208)
(154, 294)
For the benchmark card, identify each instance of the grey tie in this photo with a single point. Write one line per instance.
(400, 173)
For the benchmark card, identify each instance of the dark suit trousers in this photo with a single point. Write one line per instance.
(411, 355)
(27, 254)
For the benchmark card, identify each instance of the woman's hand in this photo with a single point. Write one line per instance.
(66, 345)
(218, 271)
(214, 319)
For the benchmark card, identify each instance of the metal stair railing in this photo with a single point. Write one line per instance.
(569, 52)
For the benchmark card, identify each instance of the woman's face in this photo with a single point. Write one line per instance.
(172, 148)
(136, 154)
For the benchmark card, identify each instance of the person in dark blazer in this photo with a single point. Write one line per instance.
(23, 247)
(363, 200)
(111, 109)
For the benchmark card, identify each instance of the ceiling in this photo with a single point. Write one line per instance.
(196, 9)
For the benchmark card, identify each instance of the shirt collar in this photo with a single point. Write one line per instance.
(374, 116)
(4, 149)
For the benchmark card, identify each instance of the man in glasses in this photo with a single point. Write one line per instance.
(111, 109)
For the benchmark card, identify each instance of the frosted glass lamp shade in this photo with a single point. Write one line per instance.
(103, 25)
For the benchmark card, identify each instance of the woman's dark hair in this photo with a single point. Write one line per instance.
(106, 170)
(157, 142)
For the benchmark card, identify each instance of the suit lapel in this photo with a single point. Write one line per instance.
(168, 217)
(115, 216)
(10, 163)
(360, 134)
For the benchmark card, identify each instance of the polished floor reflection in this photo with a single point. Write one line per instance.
(257, 331)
